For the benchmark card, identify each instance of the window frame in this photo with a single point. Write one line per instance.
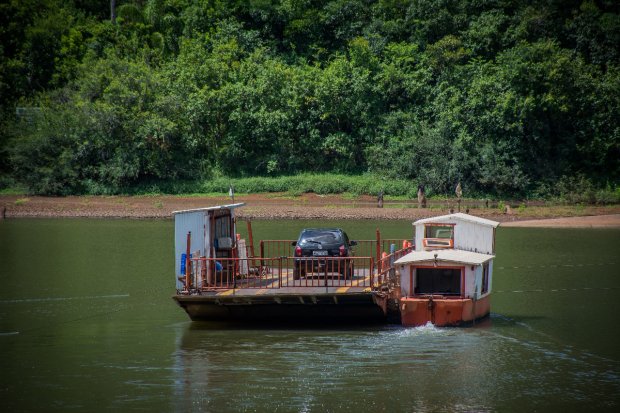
(438, 243)
(413, 274)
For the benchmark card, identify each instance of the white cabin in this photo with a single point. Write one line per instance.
(459, 231)
(453, 258)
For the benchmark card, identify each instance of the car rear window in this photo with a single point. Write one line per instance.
(323, 237)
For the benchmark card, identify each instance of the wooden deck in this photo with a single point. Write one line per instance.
(311, 298)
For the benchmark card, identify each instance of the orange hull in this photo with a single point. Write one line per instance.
(442, 311)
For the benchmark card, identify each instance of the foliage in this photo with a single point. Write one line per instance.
(510, 99)
(323, 184)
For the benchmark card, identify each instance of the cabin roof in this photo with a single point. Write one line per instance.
(448, 255)
(213, 208)
(459, 216)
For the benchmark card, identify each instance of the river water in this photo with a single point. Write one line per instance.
(87, 323)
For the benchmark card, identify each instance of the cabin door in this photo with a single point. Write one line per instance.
(441, 281)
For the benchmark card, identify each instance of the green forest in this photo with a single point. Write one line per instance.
(510, 98)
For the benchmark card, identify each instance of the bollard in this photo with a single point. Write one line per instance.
(392, 260)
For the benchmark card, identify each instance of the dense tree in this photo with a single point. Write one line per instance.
(505, 97)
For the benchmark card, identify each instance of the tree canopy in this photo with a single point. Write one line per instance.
(504, 96)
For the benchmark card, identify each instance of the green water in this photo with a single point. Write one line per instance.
(87, 324)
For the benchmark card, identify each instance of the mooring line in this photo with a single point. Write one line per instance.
(32, 300)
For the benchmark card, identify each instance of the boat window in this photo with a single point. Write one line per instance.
(485, 278)
(444, 281)
(439, 231)
(438, 236)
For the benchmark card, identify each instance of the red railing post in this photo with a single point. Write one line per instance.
(378, 255)
(372, 274)
(250, 238)
(188, 262)
(280, 273)
(262, 255)
(203, 270)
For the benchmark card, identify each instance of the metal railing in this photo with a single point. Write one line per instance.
(226, 273)
(277, 268)
(368, 248)
(329, 272)
(386, 264)
(272, 273)
(364, 248)
(270, 248)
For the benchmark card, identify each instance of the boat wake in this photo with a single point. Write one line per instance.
(428, 329)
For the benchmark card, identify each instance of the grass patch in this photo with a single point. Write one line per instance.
(18, 190)
(293, 185)
(349, 196)
(22, 201)
(285, 195)
(351, 187)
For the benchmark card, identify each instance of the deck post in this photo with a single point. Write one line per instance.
(378, 255)
(250, 239)
(372, 273)
(262, 255)
(188, 261)
(392, 259)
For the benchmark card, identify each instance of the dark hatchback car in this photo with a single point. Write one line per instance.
(316, 249)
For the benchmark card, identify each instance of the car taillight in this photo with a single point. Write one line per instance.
(298, 251)
(343, 251)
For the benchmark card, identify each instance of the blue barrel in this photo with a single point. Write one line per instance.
(183, 263)
(183, 259)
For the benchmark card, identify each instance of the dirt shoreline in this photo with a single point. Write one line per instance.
(307, 206)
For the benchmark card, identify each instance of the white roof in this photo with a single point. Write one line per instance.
(459, 216)
(448, 255)
(213, 208)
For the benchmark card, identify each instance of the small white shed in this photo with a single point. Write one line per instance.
(458, 231)
(212, 234)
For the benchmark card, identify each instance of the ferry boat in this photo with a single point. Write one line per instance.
(447, 279)
(221, 277)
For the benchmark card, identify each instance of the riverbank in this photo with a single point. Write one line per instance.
(306, 206)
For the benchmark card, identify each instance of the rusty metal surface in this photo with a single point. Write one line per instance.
(315, 306)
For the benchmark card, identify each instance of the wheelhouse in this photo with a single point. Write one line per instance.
(448, 278)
